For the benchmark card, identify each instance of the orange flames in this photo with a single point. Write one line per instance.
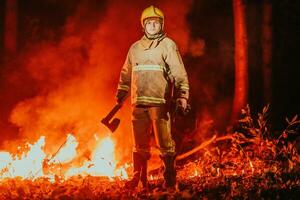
(26, 165)
(69, 84)
(33, 163)
(102, 163)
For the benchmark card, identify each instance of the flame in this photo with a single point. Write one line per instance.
(251, 165)
(151, 177)
(121, 172)
(31, 164)
(67, 152)
(196, 172)
(102, 163)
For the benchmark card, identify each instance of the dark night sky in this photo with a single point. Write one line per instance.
(210, 20)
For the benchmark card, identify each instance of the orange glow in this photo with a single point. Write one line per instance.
(30, 165)
(93, 50)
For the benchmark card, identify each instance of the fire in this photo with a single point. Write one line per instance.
(102, 162)
(28, 165)
(67, 152)
(33, 164)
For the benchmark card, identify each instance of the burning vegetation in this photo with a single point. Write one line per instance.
(66, 70)
(250, 162)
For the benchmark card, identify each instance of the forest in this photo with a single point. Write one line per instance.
(60, 63)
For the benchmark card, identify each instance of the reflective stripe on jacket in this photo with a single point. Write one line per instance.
(145, 72)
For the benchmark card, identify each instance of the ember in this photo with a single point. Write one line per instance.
(237, 165)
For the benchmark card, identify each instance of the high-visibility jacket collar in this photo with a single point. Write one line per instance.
(150, 43)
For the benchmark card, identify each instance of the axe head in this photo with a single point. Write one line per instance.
(113, 125)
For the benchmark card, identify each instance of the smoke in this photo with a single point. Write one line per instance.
(71, 82)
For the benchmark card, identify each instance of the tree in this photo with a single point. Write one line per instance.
(240, 59)
(267, 50)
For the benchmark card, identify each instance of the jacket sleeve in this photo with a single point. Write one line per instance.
(177, 70)
(125, 76)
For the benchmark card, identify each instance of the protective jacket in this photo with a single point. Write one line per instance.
(150, 70)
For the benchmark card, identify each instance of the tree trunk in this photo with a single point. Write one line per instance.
(10, 29)
(267, 50)
(241, 59)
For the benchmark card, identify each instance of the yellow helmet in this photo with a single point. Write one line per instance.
(152, 11)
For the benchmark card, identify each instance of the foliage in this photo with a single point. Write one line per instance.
(246, 164)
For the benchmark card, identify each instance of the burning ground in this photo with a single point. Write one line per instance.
(248, 163)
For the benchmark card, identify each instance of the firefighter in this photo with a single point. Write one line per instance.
(152, 67)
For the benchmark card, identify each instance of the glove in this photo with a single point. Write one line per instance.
(181, 103)
(121, 96)
(182, 107)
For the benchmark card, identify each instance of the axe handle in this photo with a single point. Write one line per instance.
(111, 114)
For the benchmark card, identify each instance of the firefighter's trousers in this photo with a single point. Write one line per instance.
(156, 118)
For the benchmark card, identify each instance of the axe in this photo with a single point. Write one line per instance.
(113, 125)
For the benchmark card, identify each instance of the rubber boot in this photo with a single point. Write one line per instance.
(144, 176)
(169, 171)
(139, 171)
